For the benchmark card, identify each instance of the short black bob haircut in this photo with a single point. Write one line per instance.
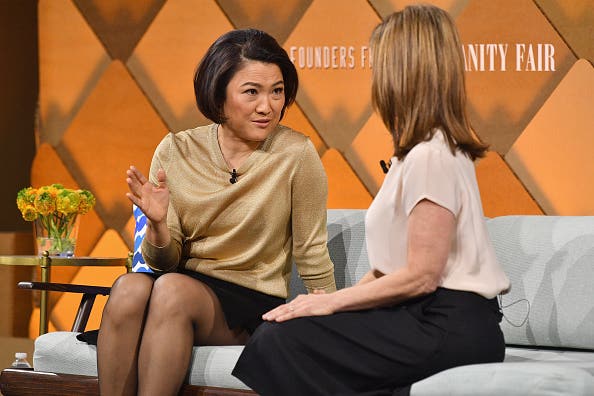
(226, 56)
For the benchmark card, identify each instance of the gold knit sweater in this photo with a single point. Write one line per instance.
(247, 232)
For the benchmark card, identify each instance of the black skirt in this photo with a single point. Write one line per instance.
(243, 307)
(372, 352)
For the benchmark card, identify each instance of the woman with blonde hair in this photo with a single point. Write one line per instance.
(429, 301)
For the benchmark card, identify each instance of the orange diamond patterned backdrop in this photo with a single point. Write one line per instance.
(116, 76)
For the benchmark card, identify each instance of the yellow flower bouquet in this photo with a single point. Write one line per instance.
(55, 210)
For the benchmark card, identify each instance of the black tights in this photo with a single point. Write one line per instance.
(148, 330)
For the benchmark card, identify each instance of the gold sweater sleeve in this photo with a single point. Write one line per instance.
(309, 197)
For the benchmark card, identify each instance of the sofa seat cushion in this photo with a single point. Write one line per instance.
(61, 352)
(509, 379)
(526, 371)
(569, 358)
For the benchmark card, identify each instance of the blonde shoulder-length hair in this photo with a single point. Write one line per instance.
(418, 80)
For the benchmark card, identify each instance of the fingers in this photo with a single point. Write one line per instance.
(136, 180)
(134, 186)
(134, 199)
(303, 305)
(161, 177)
(273, 313)
(283, 312)
(136, 175)
(313, 304)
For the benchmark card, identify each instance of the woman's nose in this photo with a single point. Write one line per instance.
(264, 106)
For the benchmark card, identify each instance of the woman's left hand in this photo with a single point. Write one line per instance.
(317, 303)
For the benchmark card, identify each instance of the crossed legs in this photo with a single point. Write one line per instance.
(145, 346)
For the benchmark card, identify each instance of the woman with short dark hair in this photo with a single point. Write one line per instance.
(429, 301)
(225, 56)
(228, 206)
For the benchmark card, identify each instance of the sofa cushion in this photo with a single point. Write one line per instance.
(510, 379)
(549, 260)
(212, 366)
(569, 358)
(138, 264)
(61, 352)
(346, 245)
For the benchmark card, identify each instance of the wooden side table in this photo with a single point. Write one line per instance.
(46, 262)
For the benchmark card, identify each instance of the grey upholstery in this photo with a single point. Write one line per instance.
(550, 260)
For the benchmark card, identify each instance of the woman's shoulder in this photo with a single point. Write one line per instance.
(193, 134)
(289, 134)
(183, 142)
(436, 145)
(198, 135)
(433, 153)
(287, 139)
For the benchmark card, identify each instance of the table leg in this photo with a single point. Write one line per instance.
(43, 304)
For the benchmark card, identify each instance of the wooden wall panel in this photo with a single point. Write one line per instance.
(164, 61)
(557, 166)
(117, 127)
(345, 190)
(334, 93)
(71, 61)
(503, 102)
(372, 144)
(574, 20)
(503, 194)
(279, 24)
(119, 24)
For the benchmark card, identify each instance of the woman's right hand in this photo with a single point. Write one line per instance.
(152, 199)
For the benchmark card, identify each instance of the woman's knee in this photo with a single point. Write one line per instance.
(129, 295)
(177, 294)
(269, 337)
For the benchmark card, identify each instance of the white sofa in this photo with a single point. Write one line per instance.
(548, 324)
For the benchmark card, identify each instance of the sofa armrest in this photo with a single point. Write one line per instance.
(65, 287)
(86, 303)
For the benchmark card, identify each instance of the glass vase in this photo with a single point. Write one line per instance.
(56, 234)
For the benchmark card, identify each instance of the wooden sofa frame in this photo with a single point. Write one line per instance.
(19, 382)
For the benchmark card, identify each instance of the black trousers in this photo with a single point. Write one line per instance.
(372, 352)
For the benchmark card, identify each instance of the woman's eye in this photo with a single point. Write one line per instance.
(251, 91)
(278, 91)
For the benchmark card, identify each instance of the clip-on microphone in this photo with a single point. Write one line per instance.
(385, 167)
(234, 176)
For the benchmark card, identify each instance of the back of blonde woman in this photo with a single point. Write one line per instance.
(429, 301)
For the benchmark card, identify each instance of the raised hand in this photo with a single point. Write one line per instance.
(152, 199)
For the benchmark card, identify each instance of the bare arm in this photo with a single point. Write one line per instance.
(430, 232)
(371, 275)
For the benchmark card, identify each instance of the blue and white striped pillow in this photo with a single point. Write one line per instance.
(138, 264)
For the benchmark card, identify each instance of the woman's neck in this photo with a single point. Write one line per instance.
(235, 150)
